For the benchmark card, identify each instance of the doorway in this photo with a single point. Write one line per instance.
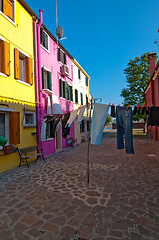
(58, 136)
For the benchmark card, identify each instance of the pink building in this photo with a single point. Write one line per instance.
(152, 92)
(54, 80)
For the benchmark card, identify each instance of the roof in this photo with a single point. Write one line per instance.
(153, 75)
(52, 36)
(28, 8)
(79, 66)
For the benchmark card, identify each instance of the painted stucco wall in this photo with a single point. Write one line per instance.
(80, 85)
(17, 95)
(20, 36)
(49, 60)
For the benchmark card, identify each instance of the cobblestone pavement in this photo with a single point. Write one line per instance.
(52, 201)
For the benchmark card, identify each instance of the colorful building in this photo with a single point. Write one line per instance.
(17, 92)
(81, 97)
(152, 92)
(54, 84)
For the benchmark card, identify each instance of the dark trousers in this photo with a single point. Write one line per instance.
(124, 121)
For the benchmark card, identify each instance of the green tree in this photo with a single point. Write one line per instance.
(108, 120)
(137, 78)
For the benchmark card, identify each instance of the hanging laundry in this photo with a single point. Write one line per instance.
(153, 118)
(112, 114)
(43, 130)
(139, 109)
(99, 117)
(147, 110)
(65, 127)
(81, 112)
(72, 117)
(143, 110)
(124, 121)
(135, 110)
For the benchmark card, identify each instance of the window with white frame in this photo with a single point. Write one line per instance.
(46, 79)
(61, 56)
(65, 90)
(22, 67)
(4, 125)
(29, 118)
(44, 39)
(50, 131)
(7, 7)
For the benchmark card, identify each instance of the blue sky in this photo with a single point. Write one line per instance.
(103, 36)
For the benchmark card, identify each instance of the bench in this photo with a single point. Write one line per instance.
(29, 152)
(71, 141)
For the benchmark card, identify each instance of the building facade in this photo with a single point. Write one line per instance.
(81, 97)
(17, 92)
(54, 86)
(152, 92)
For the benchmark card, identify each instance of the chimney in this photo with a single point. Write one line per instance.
(152, 61)
(41, 16)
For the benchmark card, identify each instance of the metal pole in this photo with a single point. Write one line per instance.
(88, 151)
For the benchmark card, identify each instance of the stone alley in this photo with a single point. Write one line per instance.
(52, 200)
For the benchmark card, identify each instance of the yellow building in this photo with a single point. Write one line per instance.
(81, 97)
(17, 91)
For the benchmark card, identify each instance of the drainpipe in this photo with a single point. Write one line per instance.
(36, 75)
(39, 80)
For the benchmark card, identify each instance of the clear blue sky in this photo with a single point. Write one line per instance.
(103, 36)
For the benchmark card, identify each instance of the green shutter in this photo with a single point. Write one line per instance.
(49, 80)
(71, 94)
(76, 96)
(64, 89)
(64, 58)
(58, 54)
(60, 87)
(46, 41)
(81, 99)
(42, 77)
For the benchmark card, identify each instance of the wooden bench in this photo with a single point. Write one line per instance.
(71, 141)
(29, 152)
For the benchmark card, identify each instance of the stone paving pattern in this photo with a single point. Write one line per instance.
(52, 200)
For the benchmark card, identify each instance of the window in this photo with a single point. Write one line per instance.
(7, 7)
(61, 56)
(86, 81)
(88, 126)
(86, 99)
(44, 39)
(79, 74)
(65, 90)
(23, 67)
(81, 98)
(50, 130)
(46, 79)
(76, 96)
(10, 126)
(82, 126)
(2, 124)
(29, 119)
(4, 57)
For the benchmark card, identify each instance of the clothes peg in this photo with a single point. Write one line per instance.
(128, 106)
(108, 104)
(139, 108)
(118, 105)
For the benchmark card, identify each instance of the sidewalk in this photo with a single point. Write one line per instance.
(52, 201)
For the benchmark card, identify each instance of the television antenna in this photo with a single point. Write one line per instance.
(59, 30)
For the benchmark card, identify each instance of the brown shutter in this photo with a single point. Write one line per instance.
(5, 57)
(16, 63)
(14, 128)
(8, 8)
(29, 70)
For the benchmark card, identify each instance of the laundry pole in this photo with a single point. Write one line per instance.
(88, 150)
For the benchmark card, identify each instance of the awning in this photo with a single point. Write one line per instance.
(56, 105)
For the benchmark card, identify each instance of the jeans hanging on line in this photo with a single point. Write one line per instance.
(124, 121)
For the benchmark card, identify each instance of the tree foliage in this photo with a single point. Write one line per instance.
(108, 120)
(137, 78)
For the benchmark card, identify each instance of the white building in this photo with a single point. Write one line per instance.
(81, 97)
